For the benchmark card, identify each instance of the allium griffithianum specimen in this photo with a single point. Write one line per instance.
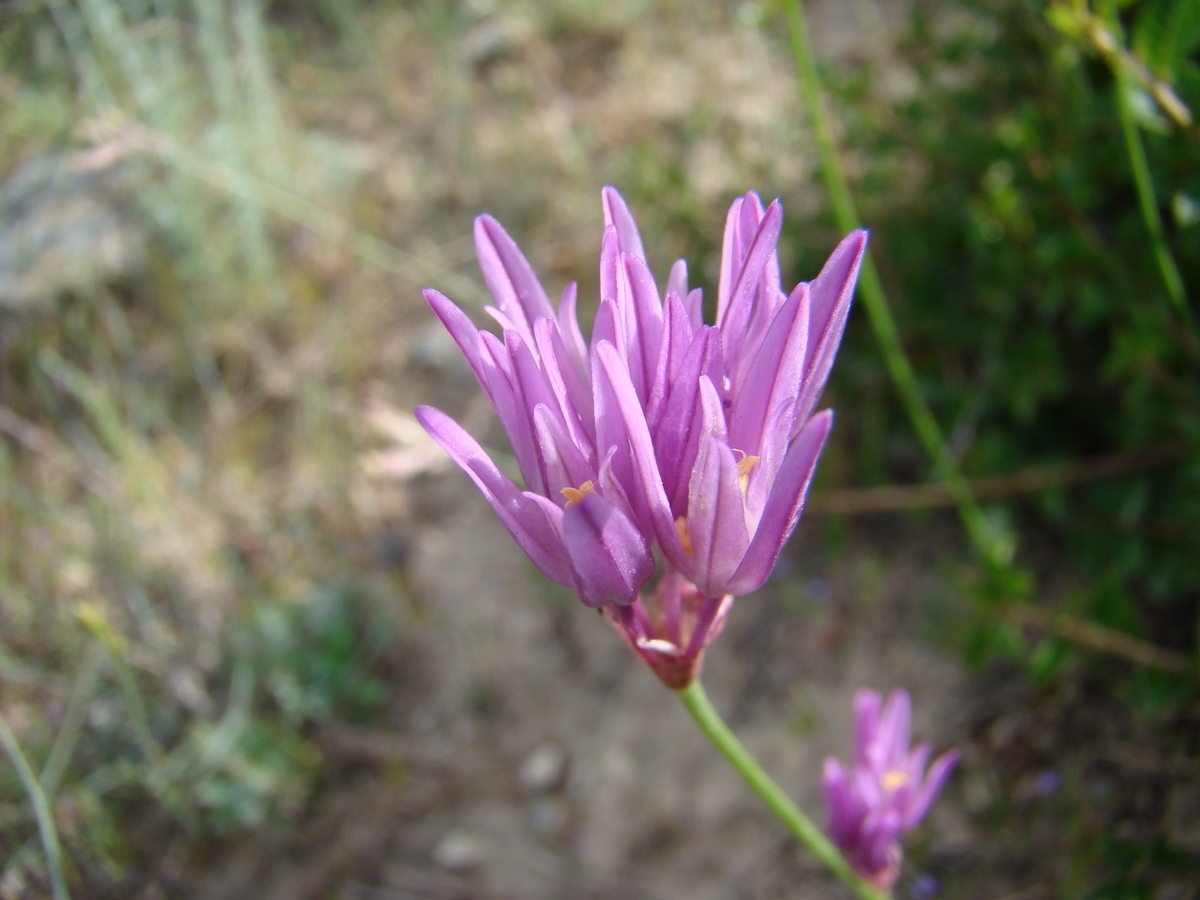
(659, 435)
(886, 792)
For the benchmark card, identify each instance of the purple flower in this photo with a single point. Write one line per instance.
(887, 791)
(659, 434)
(1048, 782)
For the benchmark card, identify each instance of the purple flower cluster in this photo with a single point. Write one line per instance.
(887, 790)
(660, 434)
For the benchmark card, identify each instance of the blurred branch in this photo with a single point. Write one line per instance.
(1109, 45)
(1097, 637)
(41, 809)
(902, 497)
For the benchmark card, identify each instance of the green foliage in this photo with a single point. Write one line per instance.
(1026, 286)
(264, 772)
(316, 656)
(1134, 868)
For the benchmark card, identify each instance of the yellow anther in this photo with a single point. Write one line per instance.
(745, 464)
(684, 538)
(574, 495)
(894, 779)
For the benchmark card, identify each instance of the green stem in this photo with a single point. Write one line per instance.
(697, 703)
(1146, 198)
(41, 809)
(870, 289)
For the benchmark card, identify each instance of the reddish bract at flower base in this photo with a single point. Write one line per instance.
(661, 436)
(886, 792)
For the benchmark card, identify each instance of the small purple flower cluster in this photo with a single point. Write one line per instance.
(661, 442)
(887, 790)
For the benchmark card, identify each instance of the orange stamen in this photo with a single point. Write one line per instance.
(575, 495)
(745, 464)
(684, 538)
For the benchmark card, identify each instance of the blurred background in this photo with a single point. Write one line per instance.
(259, 639)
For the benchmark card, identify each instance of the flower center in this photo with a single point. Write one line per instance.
(575, 495)
(894, 779)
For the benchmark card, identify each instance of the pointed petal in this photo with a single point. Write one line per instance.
(677, 280)
(694, 302)
(783, 506)
(839, 803)
(716, 520)
(617, 214)
(915, 764)
(867, 705)
(607, 328)
(532, 389)
(568, 329)
(939, 774)
(647, 321)
(610, 261)
(741, 304)
(678, 437)
(509, 276)
(609, 558)
(461, 329)
(617, 406)
(894, 729)
(677, 336)
(741, 225)
(510, 408)
(732, 253)
(831, 292)
(573, 394)
(529, 523)
(773, 377)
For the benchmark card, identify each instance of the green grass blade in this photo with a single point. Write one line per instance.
(41, 809)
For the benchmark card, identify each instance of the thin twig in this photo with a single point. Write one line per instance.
(41, 809)
(1107, 44)
(905, 497)
(1099, 638)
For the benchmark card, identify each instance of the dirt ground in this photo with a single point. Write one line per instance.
(529, 754)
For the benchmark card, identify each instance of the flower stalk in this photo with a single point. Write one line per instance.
(696, 702)
(990, 546)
